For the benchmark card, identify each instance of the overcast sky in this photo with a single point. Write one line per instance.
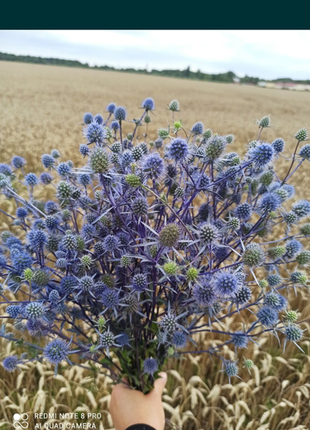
(268, 54)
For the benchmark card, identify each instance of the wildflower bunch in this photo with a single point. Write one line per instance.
(146, 243)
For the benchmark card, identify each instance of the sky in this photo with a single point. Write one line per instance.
(268, 54)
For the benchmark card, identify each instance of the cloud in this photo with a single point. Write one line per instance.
(268, 54)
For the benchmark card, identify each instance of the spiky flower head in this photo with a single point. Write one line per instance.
(56, 351)
(10, 363)
(110, 298)
(305, 152)
(18, 162)
(278, 145)
(13, 310)
(107, 340)
(148, 104)
(231, 369)
(275, 301)
(150, 366)
(264, 122)
(48, 161)
(64, 190)
(140, 207)
(137, 153)
(171, 268)
(111, 243)
(192, 274)
(35, 310)
(215, 147)
(276, 252)
(301, 135)
(262, 154)
(301, 208)
(140, 282)
(266, 178)
(55, 153)
(98, 119)
(174, 106)
(69, 242)
(197, 128)
(169, 235)
(46, 178)
(54, 296)
(31, 179)
(95, 133)
(68, 283)
(120, 113)
(299, 278)
(290, 218)
(242, 296)
(243, 211)
(88, 118)
(99, 160)
(293, 332)
(274, 279)
(153, 165)
(63, 169)
(226, 284)
(253, 255)
(178, 149)
(111, 107)
(41, 278)
(293, 247)
(303, 258)
(204, 294)
(37, 238)
(28, 275)
(168, 323)
(86, 283)
(208, 233)
(305, 229)
(240, 340)
(267, 316)
(291, 317)
(269, 202)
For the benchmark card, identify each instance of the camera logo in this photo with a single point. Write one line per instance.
(20, 421)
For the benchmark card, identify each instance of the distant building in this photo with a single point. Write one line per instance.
(293, 86)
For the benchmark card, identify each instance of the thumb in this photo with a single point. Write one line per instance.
(160, 383)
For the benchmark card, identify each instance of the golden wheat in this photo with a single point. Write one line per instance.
(42, 109)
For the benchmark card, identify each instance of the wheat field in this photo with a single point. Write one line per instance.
(42, 109)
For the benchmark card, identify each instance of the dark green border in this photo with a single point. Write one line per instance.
(153, 14)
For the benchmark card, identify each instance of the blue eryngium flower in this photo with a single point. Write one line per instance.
(197, 128)
(226, 284)
(120, 113)
(148, 104)
(269, 202)
(18, 162)
(178, 149)
(267, 316)
(94, 133)
(88, 118)
(31, 179)
(262, 154)
(5, 169)
(111, 107)
(150, 366)
(10, 363)
(153, 166)
(56, 351)
(47, 160)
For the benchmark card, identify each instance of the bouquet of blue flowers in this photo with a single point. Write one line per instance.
(147, 243)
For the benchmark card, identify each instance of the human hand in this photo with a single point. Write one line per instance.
(129, 407)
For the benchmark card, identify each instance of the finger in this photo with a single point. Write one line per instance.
(160, 383)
